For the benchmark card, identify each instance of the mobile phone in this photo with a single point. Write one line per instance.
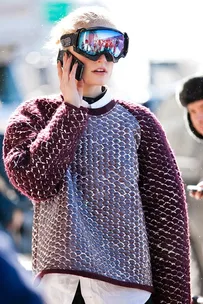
(194, 188)
(80, 67)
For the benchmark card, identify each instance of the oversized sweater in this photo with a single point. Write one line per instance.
(109, 201)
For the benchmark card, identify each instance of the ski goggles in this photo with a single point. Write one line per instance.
(95, 41)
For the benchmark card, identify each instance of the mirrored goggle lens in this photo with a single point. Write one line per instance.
(94, 42)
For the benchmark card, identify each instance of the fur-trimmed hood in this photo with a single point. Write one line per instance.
(189, 91)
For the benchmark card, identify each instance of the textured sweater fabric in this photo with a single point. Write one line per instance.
(109, 201)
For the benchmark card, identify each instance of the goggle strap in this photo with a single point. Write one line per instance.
(126, 44)
(67, 40)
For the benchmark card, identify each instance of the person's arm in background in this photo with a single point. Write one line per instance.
(198, 194)
(15, 282)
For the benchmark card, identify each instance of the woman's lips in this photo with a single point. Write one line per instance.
(100, 70)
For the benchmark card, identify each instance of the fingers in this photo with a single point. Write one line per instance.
(66, 70)
(59, 70)
(196, 194)
(59, 66)
(66, 63)
(199, 193)
(71, 89)
(73, 71)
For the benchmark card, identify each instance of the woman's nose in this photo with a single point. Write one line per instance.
(102, 58)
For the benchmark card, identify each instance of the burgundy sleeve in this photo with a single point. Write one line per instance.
(164, 202)
(39, 144)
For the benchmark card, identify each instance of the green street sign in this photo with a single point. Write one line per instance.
(54, 11)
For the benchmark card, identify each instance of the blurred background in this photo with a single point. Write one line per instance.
(165, 45)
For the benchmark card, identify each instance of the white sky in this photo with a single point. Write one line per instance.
(163, 28)
(158, 30)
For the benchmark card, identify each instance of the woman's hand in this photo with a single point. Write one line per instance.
(72, 90)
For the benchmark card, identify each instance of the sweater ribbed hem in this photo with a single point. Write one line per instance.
(96, 276)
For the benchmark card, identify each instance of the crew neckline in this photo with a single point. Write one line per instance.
(103, 105)
(103, 110)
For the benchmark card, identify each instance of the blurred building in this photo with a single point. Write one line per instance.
(26, 69)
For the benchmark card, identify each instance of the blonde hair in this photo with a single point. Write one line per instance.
(83, 17)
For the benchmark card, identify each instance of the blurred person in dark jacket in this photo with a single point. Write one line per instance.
(11, 217)
(190, 96)
(15, 283)
(15, 212)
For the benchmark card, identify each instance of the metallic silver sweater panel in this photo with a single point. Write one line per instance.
(98, 214)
